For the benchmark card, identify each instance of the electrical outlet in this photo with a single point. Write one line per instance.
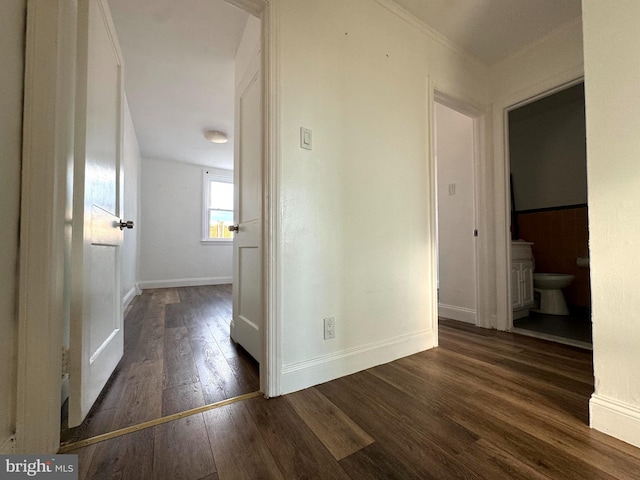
(329, 328)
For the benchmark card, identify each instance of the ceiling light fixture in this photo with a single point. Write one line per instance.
(216, 136)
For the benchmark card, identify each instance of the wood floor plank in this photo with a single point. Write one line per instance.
(407, 406)
(463, 410)
(181, 398)
(171, 296)
(532, 370)
(179, 364)
(246, 370)
(150, 344)
(573, 442)
(339, 433)
(126, 457)
(296, 450)
(536, 453)
(216, 376)
(563, 404)
(421, 456)
(185, 439)
(158, 326)
(374, 462)
(141, 399)
(494, 463)
(220, 331)
(239, 451)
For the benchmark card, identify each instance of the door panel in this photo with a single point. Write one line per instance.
(246, 327)
(96, 308)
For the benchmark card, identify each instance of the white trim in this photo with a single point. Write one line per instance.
(324, 368)
(270, 371)
(184, 282)
(552, 338)
(615, 418)
(481, 214)
(217, 241)
(208, 175)
(461, 314)
(47, 150)
(432, 200)
(130, 295)
(271, 375)
(436, 36)
(502, 213)
(8, 446)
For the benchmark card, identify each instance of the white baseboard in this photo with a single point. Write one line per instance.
(185, 282)
(321, 369)
(615, 418)
(130, 295)
(461, 314)
(8, 446)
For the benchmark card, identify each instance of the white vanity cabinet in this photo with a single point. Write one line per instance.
(521, 278)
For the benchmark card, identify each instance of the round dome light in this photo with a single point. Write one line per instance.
(215, 136)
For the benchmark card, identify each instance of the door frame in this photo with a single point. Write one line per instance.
(502, 107)
(478, 113)
(47, 170)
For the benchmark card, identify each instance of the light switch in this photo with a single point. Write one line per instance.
(452, 189)
(305, 138)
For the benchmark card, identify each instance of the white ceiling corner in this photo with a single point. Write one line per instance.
(491, 30)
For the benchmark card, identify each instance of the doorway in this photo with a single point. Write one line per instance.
(178, 354)
(548, 197)
(456, 207)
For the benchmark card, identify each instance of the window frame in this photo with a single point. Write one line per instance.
(216, 175)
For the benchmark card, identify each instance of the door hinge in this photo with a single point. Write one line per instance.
(475, 233)
(65, 361)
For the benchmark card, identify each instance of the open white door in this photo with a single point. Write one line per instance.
(96, 308)
(246, 327)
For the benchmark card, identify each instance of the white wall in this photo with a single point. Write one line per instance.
(129, 249)
(612, 69)
(12, 22)
(356, 241)
(547, 64)
(171, 252)
(456, 218)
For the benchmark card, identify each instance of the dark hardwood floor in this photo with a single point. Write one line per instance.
(177, 355)
(483, 405)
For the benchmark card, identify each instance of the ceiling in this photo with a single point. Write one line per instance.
(179, 60)
(179, 75)
(493, 29)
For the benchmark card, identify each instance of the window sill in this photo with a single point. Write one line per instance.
(216, 242)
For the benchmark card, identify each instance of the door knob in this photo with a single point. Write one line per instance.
(127, 224)
(234, 228)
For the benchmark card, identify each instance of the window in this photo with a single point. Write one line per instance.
(218, 206)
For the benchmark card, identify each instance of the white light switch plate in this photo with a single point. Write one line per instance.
(305, 138)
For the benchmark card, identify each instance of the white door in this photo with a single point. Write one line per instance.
(246, 327)
(96, 309)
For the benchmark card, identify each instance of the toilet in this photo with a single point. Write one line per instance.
(548, 292)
